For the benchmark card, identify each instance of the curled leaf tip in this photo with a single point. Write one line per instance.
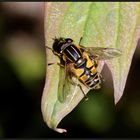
(60, 130)
(116, 100)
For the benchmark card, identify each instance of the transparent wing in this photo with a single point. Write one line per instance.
(65, 84)
(102, 53)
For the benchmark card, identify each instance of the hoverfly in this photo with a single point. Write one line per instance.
(80, 62)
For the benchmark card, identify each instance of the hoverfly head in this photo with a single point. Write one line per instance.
(59, 43)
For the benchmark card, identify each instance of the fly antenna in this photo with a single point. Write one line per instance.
(54, 38)
(49, 48)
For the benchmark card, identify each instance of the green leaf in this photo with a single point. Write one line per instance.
(101, 24)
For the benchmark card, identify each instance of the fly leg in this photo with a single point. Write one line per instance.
(102, 78)
(49, 48)
(49, 64)
(61, 64)
(85, 96)
(80, 41)
(76, 84)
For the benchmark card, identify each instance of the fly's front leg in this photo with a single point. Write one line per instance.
(49, 64)
(80, 41)
(61, 64)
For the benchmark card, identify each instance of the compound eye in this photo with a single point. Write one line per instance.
(69, 40)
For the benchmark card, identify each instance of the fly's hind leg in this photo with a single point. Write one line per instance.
(102, 78)
(76, 84)
(85, 96)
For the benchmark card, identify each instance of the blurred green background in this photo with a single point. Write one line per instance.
(22, 79)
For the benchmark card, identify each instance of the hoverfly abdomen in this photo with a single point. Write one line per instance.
(93, 81)
(90, 79)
